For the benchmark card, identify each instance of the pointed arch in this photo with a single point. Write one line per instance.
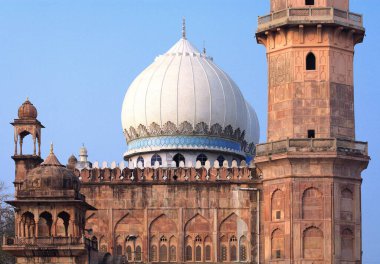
(347, 244)
(62, 224)
(28, 225)
(313, 243)
(45, 222)
(278, 205)
(312, 204)
(119, 241)
(277, 244)
(173, 249)
(197, 224)
(208, 249)
(162, 230)
(311, 63)
(163, 224)
(128, 224)
(243, 248)
(346, 204)
(153, 249)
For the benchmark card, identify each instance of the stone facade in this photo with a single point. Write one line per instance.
(298, 200)
(177, 215)
(311, 165)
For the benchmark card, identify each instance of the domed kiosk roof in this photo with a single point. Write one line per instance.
(27, 110)
(185, 95)
(52, 175)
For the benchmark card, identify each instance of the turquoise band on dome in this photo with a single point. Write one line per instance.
(184, 141)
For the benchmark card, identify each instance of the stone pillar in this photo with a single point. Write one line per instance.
(215, 235)
(181, 237)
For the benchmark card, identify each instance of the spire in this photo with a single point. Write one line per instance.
(51, 160)
(183, 28)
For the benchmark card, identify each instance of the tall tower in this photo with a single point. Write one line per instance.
(311, 163)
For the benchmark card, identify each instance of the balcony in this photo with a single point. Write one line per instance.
(19, 245)
(341, 146)
(304, 16)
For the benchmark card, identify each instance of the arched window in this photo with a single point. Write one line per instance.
(178, 158)
(63, 224)
(163, 253)
(223, 253)
(220, 159)
(173, 254)
(153, 253)
(278, 205)
(189, 253)
(140, 159)
(202, 158)
(313, 243)
(310, 62)
(119, 250)
(28, 225)
(163, 239)
(44, 224)
(243, 253)
(312, 204)
(309, 2)
(129, 253)
(278, 244)
(346, 205)
(94, 240)
(198, 253)
(138, 253)
(347, 244)
(155, 158)
(198, 239)
(243, 249)
(233, 253)
(208, 253)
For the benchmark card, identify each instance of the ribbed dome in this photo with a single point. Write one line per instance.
(27, 110)
(183, 92)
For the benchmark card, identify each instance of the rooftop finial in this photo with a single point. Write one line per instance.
(27, 98)
(51, 148)
(204, 47)
(183, 28)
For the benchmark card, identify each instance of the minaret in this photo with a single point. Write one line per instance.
(311, 164)
(26, 124)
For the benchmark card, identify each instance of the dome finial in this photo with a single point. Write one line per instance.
(204, 47)
(183, 28)
(51, 148)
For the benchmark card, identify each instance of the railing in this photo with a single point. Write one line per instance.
(310, 14)
(312, 145)
(48, 241)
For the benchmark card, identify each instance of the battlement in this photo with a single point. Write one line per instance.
(169, 174)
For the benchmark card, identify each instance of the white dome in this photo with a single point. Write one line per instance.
(184, 92)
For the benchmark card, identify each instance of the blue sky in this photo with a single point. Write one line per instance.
(76, 59)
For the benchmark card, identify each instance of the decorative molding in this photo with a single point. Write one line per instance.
(187, 129)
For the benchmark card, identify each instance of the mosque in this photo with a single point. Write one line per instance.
(197, 186)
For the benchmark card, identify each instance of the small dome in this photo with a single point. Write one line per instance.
(27, 110)
(72, 159)
(52, 175)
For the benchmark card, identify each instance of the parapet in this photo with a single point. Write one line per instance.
(339, 146)
(169, 174)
